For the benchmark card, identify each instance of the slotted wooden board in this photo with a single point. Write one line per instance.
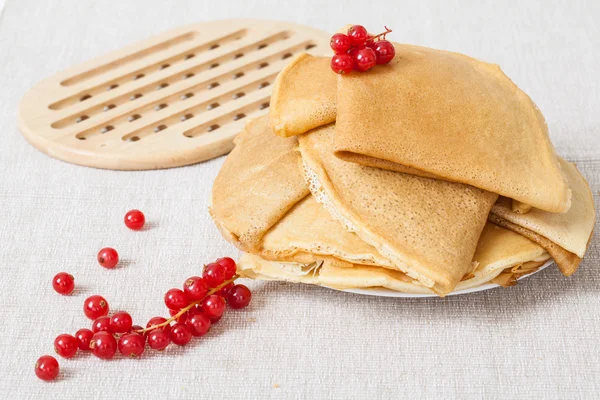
(175, 99)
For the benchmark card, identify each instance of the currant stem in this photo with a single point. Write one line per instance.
(188, 307)
(382, 34)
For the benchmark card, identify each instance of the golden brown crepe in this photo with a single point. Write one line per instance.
(308, 230)
(437, 114)
(498, 250)
(261, 204)
(247, 201)
(303, 98)
(565, 236)
(427, 228)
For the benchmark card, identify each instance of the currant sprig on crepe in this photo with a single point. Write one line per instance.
(357, 50)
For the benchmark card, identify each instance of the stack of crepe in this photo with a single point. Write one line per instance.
(431, 174)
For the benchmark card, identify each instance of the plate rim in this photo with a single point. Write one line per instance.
(384, 292)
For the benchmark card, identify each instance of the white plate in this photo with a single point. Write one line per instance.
(383, 292)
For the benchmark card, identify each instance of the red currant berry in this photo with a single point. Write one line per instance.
(120, 322)
(229, 265)
(157, 321)
(108, 257)
(63, 283)
(175, 299)
(180, 334)
(84, 336)
(135, 329)
(239, 296)
(214, 274)
(103, 345)
(101, 324)
(365, 59)
(225, 290)
(46, 368)
(135, 220)
(340, 43)
(132, 345)
(95, 306)
(194, 311)
(65, 345)
(195, 288)
(342, 63)
(158, 339)
(199, 324)
(358, 35)
(384, 51)
(181, 318)
(213, 306)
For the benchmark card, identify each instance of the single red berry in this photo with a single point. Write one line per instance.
(63, 283)
(108, 257)
(199, 324)
(213, 306)
(46, 368)
(225, 290)
(340, 43)
(135, 329)
(120, 322)
(132, 345)
(175, 299)
(84, 336)
(157, 321)
(342, 63)
(180, 334)
(239, 296)
(365, 59)
(101, 324)
(214, 274)
(194, 310)
(135, 220)
(358, 35)
(103, 345)
(158, 339)
(66, 345)
(95, 306)
(181, 318)
(384, 51)
(195, 288)
(229, 265)
(354, 51)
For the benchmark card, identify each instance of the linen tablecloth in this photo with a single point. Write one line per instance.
(537, 340)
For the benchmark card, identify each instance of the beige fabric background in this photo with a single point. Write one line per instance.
(538, 340)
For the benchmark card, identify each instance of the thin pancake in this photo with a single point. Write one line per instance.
(258, 184)
(454, 117)
(498, 250)
(309, 229)
(303, 98)
(566, 236)
(427, 228)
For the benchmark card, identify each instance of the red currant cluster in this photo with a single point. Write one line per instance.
(192, 310)
(360, 51)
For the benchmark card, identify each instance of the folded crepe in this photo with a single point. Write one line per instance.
(436, 114)
(309, 230)
(260, 183)
(501, 255)
(427, 228)
(256, 186)
(303, 96)
(565, 236)
(306, 244)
